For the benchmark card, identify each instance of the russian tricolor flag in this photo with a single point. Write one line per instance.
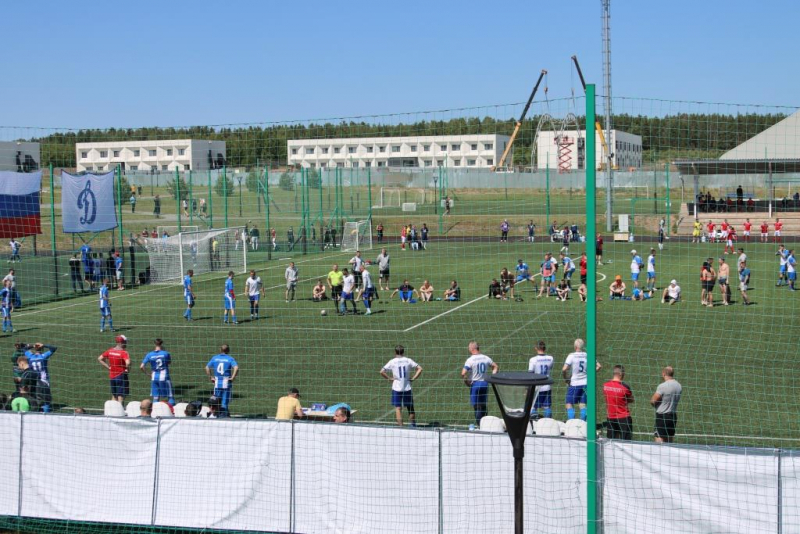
(19, 204)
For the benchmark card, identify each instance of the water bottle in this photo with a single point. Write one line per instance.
(472, 427)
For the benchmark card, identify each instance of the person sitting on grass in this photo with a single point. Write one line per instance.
(507, 282)
(496, 290)
(425, 291)
(562, 291)
(318, 292)
(640, 294)
(672, 293)
(406, 291)
(617, 288)
(453, 293)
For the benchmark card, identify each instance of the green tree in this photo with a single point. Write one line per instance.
(124, 187)
(224, 185)
(182, 185)
(252, 182)
(286, 181)
(314, 179)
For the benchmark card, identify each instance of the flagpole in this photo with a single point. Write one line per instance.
(119, 194)
(53, 227)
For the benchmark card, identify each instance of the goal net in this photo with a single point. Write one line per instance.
(395, 197)
(202, 251)
(357, 236)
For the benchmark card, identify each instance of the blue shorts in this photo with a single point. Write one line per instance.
(783, 268)
(576, 395)
(634, 276)
(793, 275)
(406, 295)
(161, 388)
(254, 298)
(368, 293)
(224, 395)
(6, 312)
(402, 398)
(479, 393)
(120, 386)
(543, 400)
(105, 312)
(347, 296)
(189, 300)
(523, 278)
(553, 277)
(230, 304)
(568, 274)
(650, 275)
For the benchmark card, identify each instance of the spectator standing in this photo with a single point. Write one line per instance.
(255, 234)
(14, 245)
(291, 277)
(75, 273)
(403, 371)
(474, 375)
(424, 233)
(133, 203)
(290, 238)
(222, 369)
(289, 406)
(379, 231)
(665, 401)
(504, 231)
(531, 232)
(118, 362)
(157, 206)
(383, 270)
(618, 396)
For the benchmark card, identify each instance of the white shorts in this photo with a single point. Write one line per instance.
(402, 239)
(730, 243)
(119, 273)
(777, 233)
(764, 234)
(746, 232)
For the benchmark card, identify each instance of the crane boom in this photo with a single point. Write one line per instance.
(597, 123)
(519, 122)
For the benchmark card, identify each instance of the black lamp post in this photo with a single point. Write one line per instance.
(240, 195)
(515, 392)
(436, 199)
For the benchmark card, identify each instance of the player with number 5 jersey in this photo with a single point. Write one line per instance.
(474, 374)
(222, 369)
(574, 373)
(159, 361)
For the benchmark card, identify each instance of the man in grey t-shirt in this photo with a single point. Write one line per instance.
(383, 270)
(665, 400)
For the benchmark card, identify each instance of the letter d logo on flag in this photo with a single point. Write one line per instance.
(87, 202)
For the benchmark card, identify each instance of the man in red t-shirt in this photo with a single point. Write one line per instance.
(618, 396)
(710, 231)
(778, 227)
(118, 363)
(599, 249)
(583, 268)
(764, 232)
(747, 225)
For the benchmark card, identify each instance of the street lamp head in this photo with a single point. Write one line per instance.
(515, 392)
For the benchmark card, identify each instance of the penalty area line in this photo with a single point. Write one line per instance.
(451, 310)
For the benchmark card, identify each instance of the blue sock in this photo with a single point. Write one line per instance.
(189, 313)
(548, 412)
(234, 317)
(102, 323)
(46, 408)
(110, 322)
(570, 413)
(366, 303)
(186, 314)
(583, 414)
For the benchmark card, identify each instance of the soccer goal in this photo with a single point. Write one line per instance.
(395, 197)
(173, 230)
(202, 251)
(357, 236)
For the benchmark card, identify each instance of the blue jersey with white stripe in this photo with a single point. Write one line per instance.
(118, 263)
(5, 297)
(159, 361)
(104, 302)
(38, 361)
(522, 270)
(228, 287)
(222, 367)
(187, 285)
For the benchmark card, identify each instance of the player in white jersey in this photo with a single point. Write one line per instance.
(348, 293)
(636, 267)
(574, 373)
(403, 371)
(782, 255)
(542, 364)
(357, 261)
(367, 292)
(651, 270)
(254, 289)
(474, 374)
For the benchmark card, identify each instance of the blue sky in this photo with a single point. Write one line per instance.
(85, 64)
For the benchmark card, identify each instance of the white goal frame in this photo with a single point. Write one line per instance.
(357, 235)
(393, 197)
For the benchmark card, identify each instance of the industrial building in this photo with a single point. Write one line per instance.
(465, 151)
(150, 156)
(566, 150)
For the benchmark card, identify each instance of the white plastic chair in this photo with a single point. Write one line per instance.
(180, 409)
(204, 411)
(562, 427)
(547, 427)
(576, 428)
(160, 409)
(132, 409)
(113, 408)
(491, 423)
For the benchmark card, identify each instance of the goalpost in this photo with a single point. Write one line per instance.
(394, 197)
(202, 251)
(357, 236)
(173, 230)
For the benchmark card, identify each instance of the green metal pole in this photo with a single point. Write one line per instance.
(53, 247)
(210, 203)
(225, 192)
(547, 192)
(591, 320)
(266, 204)
(303, 220)
(119, 194)
(178, 197)
(369, 194)
(191, 200)
(669, 201)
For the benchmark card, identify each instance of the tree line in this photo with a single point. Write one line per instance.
(663, 138)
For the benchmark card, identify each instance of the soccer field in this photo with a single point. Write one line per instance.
(736, 363)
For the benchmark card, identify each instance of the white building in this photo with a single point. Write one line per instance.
(19, 156)
(568, 152)
(470, 151)
(166, 155)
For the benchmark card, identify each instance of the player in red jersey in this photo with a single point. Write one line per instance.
(118, 363)
(710, 231)
(599, 249)
(746, 234)
(730, 239)
(618, 396)
(764, 231)
(778, 226)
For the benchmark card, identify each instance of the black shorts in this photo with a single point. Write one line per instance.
(708, 285)
(665, 424)
(583, 279)
(120, 386)
(383, 274)
(620, 428)
(336, 292)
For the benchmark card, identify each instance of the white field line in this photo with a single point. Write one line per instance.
(449, 376)
(261, 324)
(451, 310)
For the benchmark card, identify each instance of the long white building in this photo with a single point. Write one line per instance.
(567, 152)
(469, 151)
(166, 155)
(19, 156)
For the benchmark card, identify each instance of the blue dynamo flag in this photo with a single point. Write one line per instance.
(19, 204)
(87, 202)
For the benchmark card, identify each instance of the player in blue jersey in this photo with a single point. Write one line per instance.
(119, 271)
(160, 384)
(569, 269)
(86, 260)
(188, 294)
(651, 270)
(105, 308)
(6, 306)
(791, 270)
(229, 300)
(38, 359)
(222, 370)
(524, 273)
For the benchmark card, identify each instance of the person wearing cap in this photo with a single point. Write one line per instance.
(636, 267)
(118, 362)
(289, 406)
(672, 293)
(617, 288)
